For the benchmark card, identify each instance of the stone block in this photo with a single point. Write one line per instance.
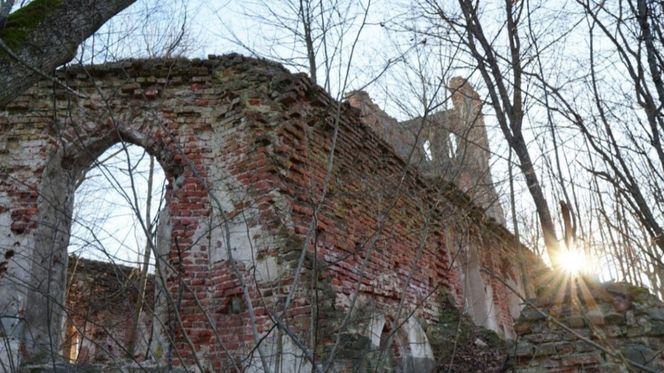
(581, 359)
(524, 349)
(530, 314)
(546, 349)
(614, 318)
(613, 368)
(637, 353)
(575, 322)
(595, 317)
(656, 313)
(656, 328)
(523, 327)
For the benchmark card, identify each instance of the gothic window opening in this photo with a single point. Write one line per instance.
(390, 350)
(116, 207)
(72, 343)
(427, 150)
(110, 282)
(453, 145)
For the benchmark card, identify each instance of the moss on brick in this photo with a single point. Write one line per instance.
(291, 246)
(461, 346)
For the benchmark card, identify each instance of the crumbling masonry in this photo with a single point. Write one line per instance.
(260, 239)
(100, 304)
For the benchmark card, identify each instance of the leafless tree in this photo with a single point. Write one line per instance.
(42, 35)
(603, 195)
(502, 70)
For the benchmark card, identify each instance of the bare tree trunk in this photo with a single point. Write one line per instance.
(43, 35)
(305, 17)
(509, 110)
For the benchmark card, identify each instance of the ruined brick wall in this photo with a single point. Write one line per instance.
(456, 143)
(610, 327)
(451, 146)
(101, 303)
(402, 137)
(245, 146)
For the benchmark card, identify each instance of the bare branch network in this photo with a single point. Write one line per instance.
(366, 217)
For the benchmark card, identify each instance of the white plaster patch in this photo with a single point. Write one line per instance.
(267, 269)
(514, 302)
(12, 294)
(243, 246)
(410, 339)
(478, 293)
(280, 356)
(491, 319)
(160, 343)
(246, 236)
(417, 340)
(239, 238)
(292, 358)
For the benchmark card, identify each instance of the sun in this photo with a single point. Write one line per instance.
(573, 262)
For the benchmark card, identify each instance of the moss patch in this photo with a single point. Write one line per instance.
(20, 24)
(461, 346)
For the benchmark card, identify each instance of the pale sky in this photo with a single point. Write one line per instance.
(105, 226)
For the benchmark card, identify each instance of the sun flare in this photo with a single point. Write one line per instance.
(573, 262)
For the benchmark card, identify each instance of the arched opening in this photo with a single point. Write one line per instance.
(110, 288)
(477, 292)
(427, 150)
(219, 212)
(452, 145)
(390, 350)
(66, 299)
(116, 205)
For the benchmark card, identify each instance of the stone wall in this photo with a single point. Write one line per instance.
(260, 239)
(611, 327)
